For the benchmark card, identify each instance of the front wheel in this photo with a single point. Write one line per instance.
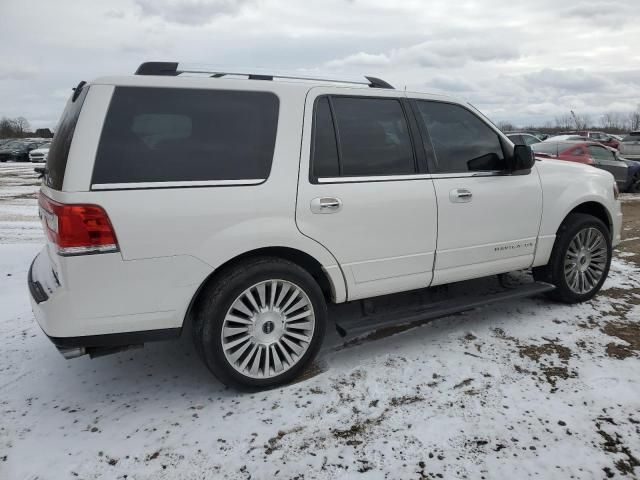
(635, 184)
(261, 323)
(580, 259)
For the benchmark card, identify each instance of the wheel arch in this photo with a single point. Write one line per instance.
(594, 209)
(300, 258)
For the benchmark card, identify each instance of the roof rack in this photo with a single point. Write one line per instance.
(174, 69)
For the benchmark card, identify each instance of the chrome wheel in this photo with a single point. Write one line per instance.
(585, 260)
(268, 329)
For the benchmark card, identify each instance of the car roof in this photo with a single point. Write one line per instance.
(174, 74)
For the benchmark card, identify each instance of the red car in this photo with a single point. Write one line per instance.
(591, 153)
(600, 137)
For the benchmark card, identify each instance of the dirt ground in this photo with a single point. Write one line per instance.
(631, 229)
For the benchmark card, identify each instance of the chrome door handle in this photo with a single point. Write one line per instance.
(460, 195)
(326, 205)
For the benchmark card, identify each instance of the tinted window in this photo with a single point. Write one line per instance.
(461, 141)
(530, 139)
(170, 134)
(325, 150)
(374, 137)
(600, 153)
(516, 139)
(61, 144)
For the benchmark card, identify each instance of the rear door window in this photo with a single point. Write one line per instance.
(600, 153)
(155, 135)
(461, 141)
(61, 144)
(325, 147)
(361, 136)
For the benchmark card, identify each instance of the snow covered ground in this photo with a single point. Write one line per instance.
(526, 388)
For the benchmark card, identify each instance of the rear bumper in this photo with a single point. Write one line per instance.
(98, 302)
(93, 345)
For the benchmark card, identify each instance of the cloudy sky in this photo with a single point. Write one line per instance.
(516, 60)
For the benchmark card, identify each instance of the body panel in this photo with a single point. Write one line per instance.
(384, 236)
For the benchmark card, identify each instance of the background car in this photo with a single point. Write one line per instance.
(630, 146)
(600, 137)
(633, 180)
(39, 154)
(564, 138)
(521, 138)
(18, 150)
(590, 153)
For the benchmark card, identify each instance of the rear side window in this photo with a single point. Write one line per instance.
(61, 144)
(325, 148)
(372, 138)
(155, 135)
(461, 141)
(600, 153)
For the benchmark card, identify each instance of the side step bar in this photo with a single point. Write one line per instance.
(349, 322)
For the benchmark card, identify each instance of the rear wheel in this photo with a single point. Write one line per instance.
(261, 323)
(579, 261)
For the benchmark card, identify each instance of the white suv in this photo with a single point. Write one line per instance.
(255, 208)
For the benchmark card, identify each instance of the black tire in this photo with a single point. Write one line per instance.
(217, 298)
(554, 272)
(635, 184)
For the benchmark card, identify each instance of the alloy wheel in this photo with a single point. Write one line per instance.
(585, 260)
(268, 329)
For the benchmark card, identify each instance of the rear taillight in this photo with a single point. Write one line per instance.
(77, 229)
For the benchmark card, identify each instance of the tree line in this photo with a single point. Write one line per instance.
(609, 122)
(19, 128)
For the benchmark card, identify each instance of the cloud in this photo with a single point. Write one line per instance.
(17, 71)
(189, 12)
(513, 61)
(360, 59)
(576, 80)
(451, 84)
(432, 53)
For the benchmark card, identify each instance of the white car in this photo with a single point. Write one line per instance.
(565, 138)
(39, 155)
(256, 208)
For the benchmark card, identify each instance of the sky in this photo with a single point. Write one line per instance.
(516, 60)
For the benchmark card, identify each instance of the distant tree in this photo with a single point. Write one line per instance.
(21, 126)
(565, 122)
(506, 126)
(633, 120)
(6, 128)
(612, 121)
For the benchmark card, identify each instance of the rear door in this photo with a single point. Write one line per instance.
(488, 221)
(364, 192)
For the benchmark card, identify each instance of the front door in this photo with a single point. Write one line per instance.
(363, 193)
(606, 160)
(488, 222)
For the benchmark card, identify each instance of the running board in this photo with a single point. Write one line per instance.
(355, 318)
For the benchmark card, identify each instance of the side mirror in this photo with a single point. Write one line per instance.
(522, 159)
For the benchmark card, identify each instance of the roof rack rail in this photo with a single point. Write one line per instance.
(174, 69)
